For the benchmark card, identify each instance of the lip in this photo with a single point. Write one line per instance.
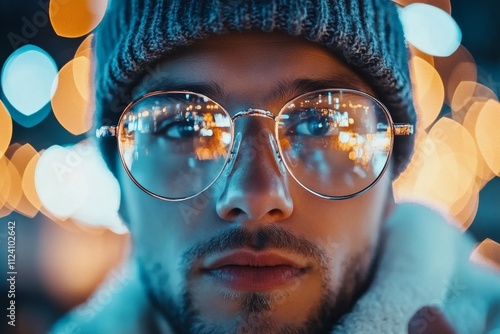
(248, 270)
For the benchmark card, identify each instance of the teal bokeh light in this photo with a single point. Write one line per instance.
(29, 79)
(430, 29)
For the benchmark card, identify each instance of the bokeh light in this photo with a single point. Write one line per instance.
(20, 159)
(430, 29)
(466, 94)
(76, 18)
(4, 184)
(85, 48)
(484, 172)
(28, 78)
(12, 187)
(29, 189)
(70, 103)
(5, 129)
(487, 254)
(464, 209)
(72, 182)
(443, 171)
(74, 261)
(443, 4)
(458, 67)
(428, 91)
(488, 135)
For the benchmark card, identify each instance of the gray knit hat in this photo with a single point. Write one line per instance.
(366, 34)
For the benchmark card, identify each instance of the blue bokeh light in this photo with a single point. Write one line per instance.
(430, 29)
(29, 79)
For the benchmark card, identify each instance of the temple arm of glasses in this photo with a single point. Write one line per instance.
(402, 129)
(106, 132)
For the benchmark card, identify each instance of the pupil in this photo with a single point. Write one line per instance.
(187, 130)
(318, 126)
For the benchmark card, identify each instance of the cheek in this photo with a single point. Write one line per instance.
(346, 227)
(156, 226)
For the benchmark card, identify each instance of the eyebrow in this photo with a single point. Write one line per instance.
(212, 89)
(287, 89)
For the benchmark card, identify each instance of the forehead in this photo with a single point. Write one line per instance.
(252, 66)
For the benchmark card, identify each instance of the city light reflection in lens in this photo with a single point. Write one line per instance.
(430, 29)
(76, 18)
(28, 79)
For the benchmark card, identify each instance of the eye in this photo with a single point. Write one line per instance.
(311, 122)
(313, 126)
(180, 129)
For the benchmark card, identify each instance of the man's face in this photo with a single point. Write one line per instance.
(255, 253)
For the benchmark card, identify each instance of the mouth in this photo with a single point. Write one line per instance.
(248, 270)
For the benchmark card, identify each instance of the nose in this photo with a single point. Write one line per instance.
(255, 188)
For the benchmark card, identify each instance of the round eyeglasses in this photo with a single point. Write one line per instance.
(336, 143)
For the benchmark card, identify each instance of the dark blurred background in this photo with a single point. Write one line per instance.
(60, 262)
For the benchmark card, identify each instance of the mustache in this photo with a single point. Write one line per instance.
(271, 236)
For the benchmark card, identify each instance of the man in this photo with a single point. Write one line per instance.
(256, 163)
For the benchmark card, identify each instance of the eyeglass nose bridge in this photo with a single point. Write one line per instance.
(237, 140)
(254, 112)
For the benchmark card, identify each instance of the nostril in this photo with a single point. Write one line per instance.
(275, 213)
(235, 212)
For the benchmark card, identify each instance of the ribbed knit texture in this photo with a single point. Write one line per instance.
(366, 34)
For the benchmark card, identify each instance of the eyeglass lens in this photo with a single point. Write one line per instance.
(335, 143)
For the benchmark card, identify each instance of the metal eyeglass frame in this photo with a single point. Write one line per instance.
(397, 129)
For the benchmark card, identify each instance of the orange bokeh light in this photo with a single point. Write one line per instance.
(76, 18)
(459, 66)
(466, 94)
(404, 185)
(29, 188)
(487, 253)
(73, 262)
(85, 48)
(443, 4)
(5, 129)
(12, 189)
(484, 172)
(420, 54)
(443, 171)
(70, 103)
(488, 135)
(4, 181)
(428, 91)
(464, 209)
(20, 160)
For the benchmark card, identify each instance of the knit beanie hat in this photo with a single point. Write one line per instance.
(366, 34)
